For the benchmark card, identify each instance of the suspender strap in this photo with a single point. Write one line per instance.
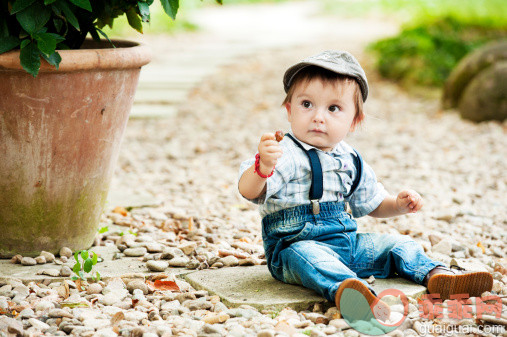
(359, 166)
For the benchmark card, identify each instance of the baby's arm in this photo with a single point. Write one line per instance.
(251, 185)
(408, 201)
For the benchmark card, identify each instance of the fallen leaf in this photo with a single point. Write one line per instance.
(120, 210)
(74, 305)
(163, 285)
(479, 244)
(117, 318)
(64, 291)
(159, 276)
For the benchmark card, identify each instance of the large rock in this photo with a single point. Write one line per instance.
(457, 87)
(485, 97)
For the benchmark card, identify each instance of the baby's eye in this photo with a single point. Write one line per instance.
(334, 108)
(307, 104)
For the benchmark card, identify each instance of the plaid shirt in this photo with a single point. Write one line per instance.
(289, 185)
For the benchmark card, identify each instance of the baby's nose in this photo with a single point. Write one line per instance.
(319, 116)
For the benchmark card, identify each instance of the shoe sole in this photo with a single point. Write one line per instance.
(372, 300)
(473, 284)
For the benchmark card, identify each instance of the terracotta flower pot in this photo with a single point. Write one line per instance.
(60, 136)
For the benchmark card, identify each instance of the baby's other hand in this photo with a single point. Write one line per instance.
(409, 201)
(269, 152)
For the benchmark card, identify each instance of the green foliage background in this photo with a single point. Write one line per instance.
(435, 34)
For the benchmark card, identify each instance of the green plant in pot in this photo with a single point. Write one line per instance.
(64, 106)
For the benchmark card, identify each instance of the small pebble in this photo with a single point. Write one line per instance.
(65, 271)
(28, 261)
(157, 266)
(135, 252)
(65, 251)
(40, 259)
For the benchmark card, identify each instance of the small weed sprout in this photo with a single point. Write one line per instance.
(85, 260)
(103, 229)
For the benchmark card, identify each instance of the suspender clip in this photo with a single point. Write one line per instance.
(315, 206)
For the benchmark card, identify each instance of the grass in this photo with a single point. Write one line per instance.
(435, 34)
(426, 54)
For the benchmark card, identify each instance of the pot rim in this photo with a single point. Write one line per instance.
(98, 56)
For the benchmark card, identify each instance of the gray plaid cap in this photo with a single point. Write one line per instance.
(340, 62)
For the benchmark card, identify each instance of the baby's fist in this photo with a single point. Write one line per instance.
(409, 201)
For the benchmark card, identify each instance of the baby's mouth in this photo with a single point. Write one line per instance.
(317, 131)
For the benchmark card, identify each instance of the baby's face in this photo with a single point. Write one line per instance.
(321, 113)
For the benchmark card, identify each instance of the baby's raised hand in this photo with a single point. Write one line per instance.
(269, 152)
(409, 201)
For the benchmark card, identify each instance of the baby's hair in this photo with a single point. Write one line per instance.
(310, 73)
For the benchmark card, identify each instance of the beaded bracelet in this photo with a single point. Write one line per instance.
(257, 167)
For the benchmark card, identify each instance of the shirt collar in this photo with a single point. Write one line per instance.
(340, 148)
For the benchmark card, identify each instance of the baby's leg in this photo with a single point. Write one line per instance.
(315, 266)
(381, 255)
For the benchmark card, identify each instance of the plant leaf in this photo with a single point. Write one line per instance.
(103, 229)
(95, 258)
(88, 265)
(85, 4)
(19, 5)
(76, 268)
(34, 17)
(98, 276)
(53, 59)
(46, 42)
(134, 20)
(29, 58)
(144, 10)
(69, 15)
(84, 254)
(48, 2)
(170, 7)
(8, 43)
(76, 256)
(105, 36)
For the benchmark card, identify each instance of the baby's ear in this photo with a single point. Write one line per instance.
(287, 107)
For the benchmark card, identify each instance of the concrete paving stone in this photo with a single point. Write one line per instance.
(152, 111)
(109, 268)
(256, 287)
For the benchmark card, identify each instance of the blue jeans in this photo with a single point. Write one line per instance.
(320, 251)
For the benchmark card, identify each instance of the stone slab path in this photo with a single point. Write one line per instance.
(229, 33)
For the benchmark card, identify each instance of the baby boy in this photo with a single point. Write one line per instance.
(303, 182)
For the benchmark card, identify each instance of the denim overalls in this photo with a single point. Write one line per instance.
(317, 245)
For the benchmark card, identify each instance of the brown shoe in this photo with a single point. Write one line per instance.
(379, 308)
(455, 280)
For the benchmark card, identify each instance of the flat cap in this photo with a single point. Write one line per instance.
(340, 62)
